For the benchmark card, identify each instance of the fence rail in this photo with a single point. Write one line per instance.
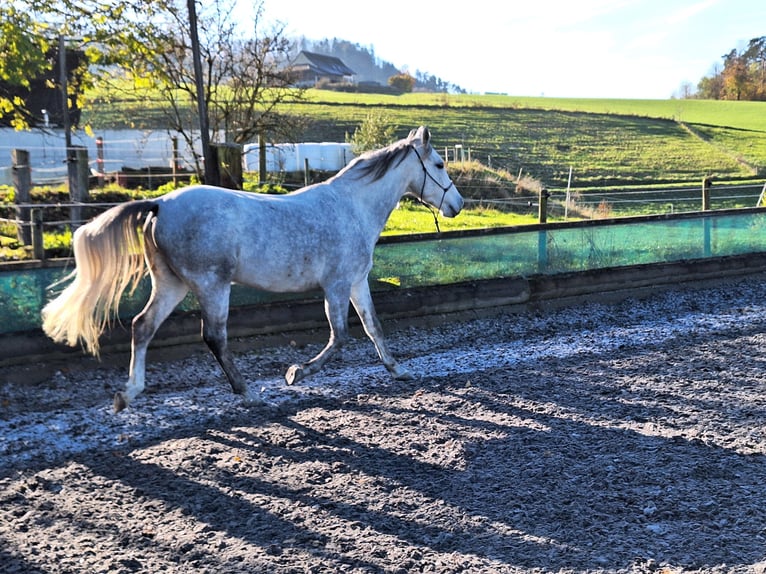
(33, 220)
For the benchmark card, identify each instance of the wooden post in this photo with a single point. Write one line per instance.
(78, 184)
(706, 183)
(100, 161)
(22, 183)
(542, 212)
(306, 172)
(38, 248)
(228, 159)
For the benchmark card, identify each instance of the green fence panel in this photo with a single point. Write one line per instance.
(452, 258)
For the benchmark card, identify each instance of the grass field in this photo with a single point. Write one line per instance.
(638, 145)
(606, 142)
(743, 115)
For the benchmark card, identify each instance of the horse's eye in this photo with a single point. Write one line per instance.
(440, 165)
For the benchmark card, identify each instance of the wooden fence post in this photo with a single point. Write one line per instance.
(38, 247)
(706, 183)
(78, 182)
(22, 183)
(542, 212)
(228, 165)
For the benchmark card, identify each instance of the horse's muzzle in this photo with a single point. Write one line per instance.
(452, 208)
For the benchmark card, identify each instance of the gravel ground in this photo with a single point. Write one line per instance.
(600, 438)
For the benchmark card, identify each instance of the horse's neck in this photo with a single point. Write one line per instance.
(379, 199)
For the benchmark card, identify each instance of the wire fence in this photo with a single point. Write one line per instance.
(601, 204)
(32, 221)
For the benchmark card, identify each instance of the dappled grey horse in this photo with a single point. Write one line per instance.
(203, 238)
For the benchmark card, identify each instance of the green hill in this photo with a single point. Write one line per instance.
(605, 142)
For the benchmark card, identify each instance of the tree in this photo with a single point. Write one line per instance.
(711, 87)
(245, 78)
(743, 76)
(148, 42)
(755, 56)
(104, 32)
(23, 48)
(735, 80)
(402, 82)
(375, 131)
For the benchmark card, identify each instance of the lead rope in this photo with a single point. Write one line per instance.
(434, 212)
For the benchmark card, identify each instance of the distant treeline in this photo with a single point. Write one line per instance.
(743, 76)
(370, 68)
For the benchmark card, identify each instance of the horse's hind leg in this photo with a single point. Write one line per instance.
(336, 309)
(362, 301)
(214, 303)
(167, 291)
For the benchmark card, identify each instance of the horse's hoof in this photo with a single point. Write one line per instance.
(402, 375)
(250, 400)
(120, 402)
(293, 374)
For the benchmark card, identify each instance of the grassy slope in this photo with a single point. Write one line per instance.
(743, 115)
(606, 142)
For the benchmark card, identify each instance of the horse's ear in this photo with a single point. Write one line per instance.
(423, 134)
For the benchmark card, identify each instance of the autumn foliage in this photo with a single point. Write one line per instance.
(743, 76)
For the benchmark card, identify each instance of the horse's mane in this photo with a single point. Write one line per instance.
(376, 163)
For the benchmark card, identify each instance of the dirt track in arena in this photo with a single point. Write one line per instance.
(602, 438)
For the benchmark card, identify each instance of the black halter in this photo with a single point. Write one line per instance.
(445, 189)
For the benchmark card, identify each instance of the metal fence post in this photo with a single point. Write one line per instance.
(22, 183)
(542, 251)
(176, 161)
(100, 161)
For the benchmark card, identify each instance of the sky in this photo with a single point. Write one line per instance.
(627, 49)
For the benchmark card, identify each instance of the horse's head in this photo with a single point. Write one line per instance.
(435, 188)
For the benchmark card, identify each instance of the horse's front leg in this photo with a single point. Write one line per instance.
(362, 301)
(336, 310)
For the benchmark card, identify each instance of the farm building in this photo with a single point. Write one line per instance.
(310, 69)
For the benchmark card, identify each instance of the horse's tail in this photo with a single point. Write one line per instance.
(108, 254)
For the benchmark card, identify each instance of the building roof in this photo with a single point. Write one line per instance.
(322, 65)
